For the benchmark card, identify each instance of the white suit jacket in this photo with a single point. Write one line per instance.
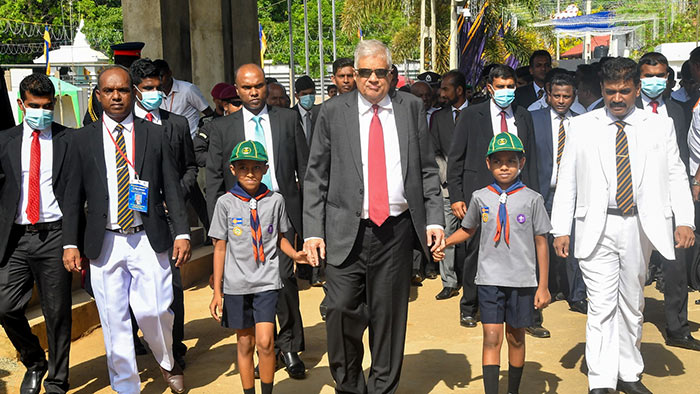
(660, 184)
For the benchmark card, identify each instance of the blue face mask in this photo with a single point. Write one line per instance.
(150, 99)
(37, 118)
(503, 97)
(653, 86)
(307, 101)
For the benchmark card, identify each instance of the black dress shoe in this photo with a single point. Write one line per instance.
(447, 292)
(598, 391)
(139, 349)
(323, 310)
(317, 283)
(293, 365)
(632, 387)
(467, 321)
(538, 331)
(417, 280)
(431, 275)
(579, 306)
(31, 384)
(687, 342)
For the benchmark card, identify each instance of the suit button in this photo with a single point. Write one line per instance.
(362, 192)
(104, 215)
(107, 197)
(357, 213)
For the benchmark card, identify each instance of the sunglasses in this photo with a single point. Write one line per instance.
(367, 72)
(236, 103)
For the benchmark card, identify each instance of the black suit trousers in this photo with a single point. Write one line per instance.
(468, 304)
(370, 289)
(675, 274)
(290, 335)
(30, 258)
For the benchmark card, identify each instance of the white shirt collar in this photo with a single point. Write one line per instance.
(248, 116)
(593, 104)
(365, 106)
(141, 113)
(556, 115)
(175, 87)
(646, 100)
(632, 118)
(463, 106)
(128, 122)
(495, 109)
(302, 110)
(28, 130)
(537, 88)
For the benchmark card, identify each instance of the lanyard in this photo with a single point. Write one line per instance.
(172, 98)
(121, 153)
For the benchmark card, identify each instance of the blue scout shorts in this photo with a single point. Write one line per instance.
(245, 310)
(514, 305)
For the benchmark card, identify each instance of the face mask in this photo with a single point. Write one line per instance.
(307, 101)
(150, 99)
(654, 86)
(503, 97)
(37, 118)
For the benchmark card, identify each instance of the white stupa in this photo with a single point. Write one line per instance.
(80, 52)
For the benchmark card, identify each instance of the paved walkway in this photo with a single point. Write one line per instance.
(441, 356)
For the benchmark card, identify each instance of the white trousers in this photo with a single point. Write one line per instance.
(129, 273)
(614, 275)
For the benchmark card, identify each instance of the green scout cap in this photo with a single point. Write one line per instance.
(248, 150)
(505, 142)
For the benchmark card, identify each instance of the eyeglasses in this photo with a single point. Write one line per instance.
(367, 72)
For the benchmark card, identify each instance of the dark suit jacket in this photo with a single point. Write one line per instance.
(441, 130)
(314, 115)
(154, 163)
(525, 95)
(681, 122)
(11, 175)
(178, 134)
(289, 148)
(334, 187)
(466, 164)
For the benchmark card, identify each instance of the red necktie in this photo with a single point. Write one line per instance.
(34, 193)
(376, 168)
(149, 117)
(654, 105)
(504, 125)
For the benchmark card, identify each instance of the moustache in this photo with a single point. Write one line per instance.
(618, 105)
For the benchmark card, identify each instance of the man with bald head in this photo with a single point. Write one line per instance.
(279, 130)
(277, 95)
(124, 169)
(424, 92)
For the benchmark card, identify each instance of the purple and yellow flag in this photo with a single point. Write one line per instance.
(47, 47)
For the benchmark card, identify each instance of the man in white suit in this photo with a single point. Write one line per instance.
(622, 181)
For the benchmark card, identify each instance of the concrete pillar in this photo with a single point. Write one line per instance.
(207, 43)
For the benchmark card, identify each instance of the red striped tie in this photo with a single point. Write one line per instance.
(34, 192)
(376, 169)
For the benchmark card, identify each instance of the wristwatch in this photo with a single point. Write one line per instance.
(694, 182)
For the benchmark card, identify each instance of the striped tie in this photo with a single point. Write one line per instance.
(125, 216)
(624, 199)
(561, 139)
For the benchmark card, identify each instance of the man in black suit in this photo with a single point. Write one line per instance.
(551, 126)
(453, 91)
(124, 169)
(279, 130)
(540, 64)
(32, 186)
(146, 79)
(653, 68)
(371, 191)
(466, 166)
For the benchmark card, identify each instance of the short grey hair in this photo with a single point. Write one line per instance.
(372, 48)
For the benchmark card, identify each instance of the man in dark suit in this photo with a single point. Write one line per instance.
(279, 130)
(125, 171)
(551, 125)
(32, 186)
(146, 78)
(466, 166)
(540, 64)
(653, 68)
(453, 91)
(376, 175)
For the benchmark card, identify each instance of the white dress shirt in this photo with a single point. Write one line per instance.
(187, 100)
(593, 104)
(49, 211)
(302, 113)
(249, 125)
(538, 104)
(496, 119)
(394, 179)
(610, 161)
(460, 109)
(555, 140)
(661, 109)
(577, 107)
(141, 113)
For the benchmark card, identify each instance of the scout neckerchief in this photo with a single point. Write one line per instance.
(263, 191)
(503, 224)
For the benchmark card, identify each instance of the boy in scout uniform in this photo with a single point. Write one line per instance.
(513, 237)
(247, 228)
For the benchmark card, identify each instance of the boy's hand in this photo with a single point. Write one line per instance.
(542, 298)
(301, 257)
(561, 246)
(438, 255)
(216, 307)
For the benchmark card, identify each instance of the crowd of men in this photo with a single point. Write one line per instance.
(111, 201)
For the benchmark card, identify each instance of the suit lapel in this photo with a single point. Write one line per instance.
(639, 157)
(352, 120)
(275, 130)
(59, 151)
(15, 150)
(606, 146)
(486, 124)
(96, 137)
(141, 137)
(401, 118)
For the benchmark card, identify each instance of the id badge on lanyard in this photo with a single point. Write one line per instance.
(138, 189)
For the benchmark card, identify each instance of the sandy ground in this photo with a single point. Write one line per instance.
(441, 356)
